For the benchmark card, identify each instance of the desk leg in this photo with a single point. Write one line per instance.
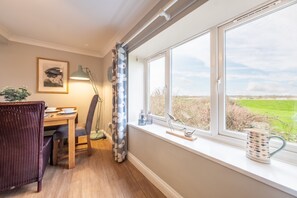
(71, 143)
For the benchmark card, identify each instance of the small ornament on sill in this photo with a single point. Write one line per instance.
(141, 119)
(187, 133)
(149, 118)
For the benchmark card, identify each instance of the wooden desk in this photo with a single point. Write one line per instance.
(55, 119)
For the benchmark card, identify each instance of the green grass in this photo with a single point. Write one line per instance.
(280, 113)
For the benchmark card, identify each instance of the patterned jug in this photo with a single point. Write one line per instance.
(257, 146)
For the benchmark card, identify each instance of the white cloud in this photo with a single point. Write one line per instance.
(268, 43)
(188, 74)
(273, 88)
(198, 48)
(288, 77)
(244, 76)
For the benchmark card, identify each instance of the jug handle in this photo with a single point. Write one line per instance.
(280, 138)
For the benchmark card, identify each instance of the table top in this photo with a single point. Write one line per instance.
(54, 119)
(57, 119)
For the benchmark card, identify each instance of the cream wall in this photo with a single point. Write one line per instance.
(18, 68)
(192, 175)
(136, 87)
(107, 94)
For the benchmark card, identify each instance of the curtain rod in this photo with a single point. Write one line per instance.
(162, 12)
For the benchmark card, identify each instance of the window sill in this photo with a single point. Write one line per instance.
(278, 174)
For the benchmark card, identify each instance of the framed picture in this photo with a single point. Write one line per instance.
(52, 76)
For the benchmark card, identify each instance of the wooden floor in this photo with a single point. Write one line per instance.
(94, 176)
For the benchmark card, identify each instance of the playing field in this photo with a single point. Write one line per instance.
(282, 113)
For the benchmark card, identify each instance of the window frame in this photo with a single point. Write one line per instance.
(168, 86)
(198, 131)
(217, 80)
(257, 13)
(147, 83)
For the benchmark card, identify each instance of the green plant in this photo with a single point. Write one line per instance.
(14, 94)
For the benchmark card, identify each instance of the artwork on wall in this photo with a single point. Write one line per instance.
(52, 76)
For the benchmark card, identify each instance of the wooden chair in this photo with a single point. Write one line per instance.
(24, 152)
(80, 130)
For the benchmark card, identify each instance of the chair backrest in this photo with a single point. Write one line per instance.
(91, 112)
(21, 143)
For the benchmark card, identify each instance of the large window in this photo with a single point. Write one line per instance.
(240, 75)
(191, 82)
(157, 86)
(260, 74)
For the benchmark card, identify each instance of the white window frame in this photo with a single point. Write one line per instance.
(168, 80)
(217, 78)
(147, 83)
(257, 13)
(212, 69)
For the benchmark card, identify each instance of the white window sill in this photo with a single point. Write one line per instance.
(277, 174)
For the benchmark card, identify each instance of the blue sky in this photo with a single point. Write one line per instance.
(261, 59)
(191, 73)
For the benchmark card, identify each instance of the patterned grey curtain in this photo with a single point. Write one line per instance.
(119, 100)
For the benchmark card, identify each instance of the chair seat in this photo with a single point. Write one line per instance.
(62, 131)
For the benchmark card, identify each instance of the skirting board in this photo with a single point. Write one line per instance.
(167, 190)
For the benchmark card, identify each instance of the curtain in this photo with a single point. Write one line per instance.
(119, 101)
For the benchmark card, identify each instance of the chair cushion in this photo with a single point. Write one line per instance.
(62, 131)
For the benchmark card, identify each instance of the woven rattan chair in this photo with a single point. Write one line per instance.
(80, 130)
(24, 152)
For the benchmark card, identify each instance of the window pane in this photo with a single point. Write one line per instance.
(191, 82)
(157, 86)
(261, 74)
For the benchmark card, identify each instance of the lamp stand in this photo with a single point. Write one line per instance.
(99, 133)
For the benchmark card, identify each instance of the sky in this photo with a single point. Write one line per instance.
(260, 59)
(191, 67)
(261, 56)
(157, 74)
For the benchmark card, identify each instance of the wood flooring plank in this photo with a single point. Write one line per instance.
(97, 176)
(146, 186)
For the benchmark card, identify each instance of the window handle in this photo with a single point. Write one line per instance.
(219, 81)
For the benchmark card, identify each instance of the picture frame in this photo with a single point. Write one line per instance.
(52, 76)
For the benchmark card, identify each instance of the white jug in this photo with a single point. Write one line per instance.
(257, 146)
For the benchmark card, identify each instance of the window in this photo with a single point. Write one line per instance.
(260, 74)
(237, 76)
(190, 94)
(157, 86)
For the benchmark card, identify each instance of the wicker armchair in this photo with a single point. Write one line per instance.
(24, 152)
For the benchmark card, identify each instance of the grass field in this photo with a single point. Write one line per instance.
(282, 114)
(279, 116)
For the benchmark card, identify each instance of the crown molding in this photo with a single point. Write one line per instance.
(29, 41)
(6, 36)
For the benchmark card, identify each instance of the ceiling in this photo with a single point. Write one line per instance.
(210, 14)
(90, 27)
